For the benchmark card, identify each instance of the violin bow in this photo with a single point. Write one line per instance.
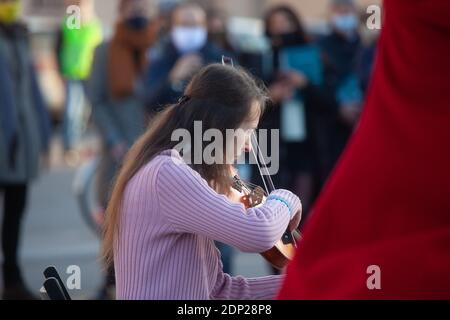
(265, 175)
(261, 163)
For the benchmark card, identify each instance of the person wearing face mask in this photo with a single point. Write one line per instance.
(296, 97)
(24, 138)
(116, 94)
(341, 49)
(176, 58)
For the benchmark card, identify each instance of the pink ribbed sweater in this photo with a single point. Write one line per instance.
(165, 246)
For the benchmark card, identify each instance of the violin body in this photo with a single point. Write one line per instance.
(279, 255)
(284, 250)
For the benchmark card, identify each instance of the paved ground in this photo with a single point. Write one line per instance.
(55, 234)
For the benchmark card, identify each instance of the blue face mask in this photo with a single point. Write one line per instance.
(345, 23)
(137, 23)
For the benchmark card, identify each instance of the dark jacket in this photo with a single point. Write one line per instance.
(119, 121)
(24, 120)
(159, 91)
(340, 57)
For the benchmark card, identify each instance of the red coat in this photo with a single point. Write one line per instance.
(388, 201)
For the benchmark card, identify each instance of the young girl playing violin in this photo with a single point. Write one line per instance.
(164, 214)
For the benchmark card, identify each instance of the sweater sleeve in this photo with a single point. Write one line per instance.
(192, 206)
(240, 288)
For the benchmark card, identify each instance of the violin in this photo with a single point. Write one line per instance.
(283, 251)
(252, 196)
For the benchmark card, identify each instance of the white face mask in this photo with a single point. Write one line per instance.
(345, 23)
(188, 39)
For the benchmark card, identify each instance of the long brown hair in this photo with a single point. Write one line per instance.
(219, 96)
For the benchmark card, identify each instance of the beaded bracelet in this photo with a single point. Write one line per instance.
(272, 197)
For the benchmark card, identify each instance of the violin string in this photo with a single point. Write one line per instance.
(251, 186)
(245, 186)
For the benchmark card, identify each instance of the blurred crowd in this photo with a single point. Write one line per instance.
(317, 84)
